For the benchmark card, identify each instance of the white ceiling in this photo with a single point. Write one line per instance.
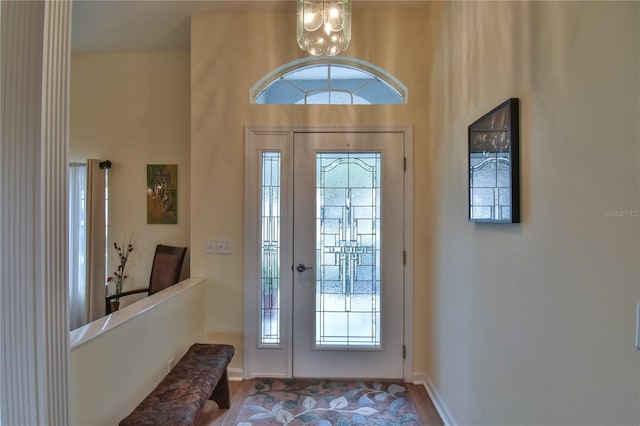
(159, 25)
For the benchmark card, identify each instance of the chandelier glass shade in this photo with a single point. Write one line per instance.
(324, 26)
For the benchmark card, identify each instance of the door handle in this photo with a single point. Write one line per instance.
(302, 268)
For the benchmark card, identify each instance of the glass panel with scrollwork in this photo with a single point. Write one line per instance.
(270, 250)
(348, 219)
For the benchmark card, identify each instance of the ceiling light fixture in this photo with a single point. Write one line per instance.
(324, 26)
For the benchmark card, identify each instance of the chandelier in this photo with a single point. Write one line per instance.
(324, 26)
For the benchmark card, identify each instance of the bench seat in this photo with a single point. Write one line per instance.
(201, 374)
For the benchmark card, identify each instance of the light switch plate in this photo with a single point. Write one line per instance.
(224, 247)
(210, 246)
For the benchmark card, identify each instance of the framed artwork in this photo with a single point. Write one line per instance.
(494, 165)
(162, 193)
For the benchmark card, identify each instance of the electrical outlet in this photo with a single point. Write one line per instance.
(171, 363)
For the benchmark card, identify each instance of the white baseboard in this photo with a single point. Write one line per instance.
(441, 407)
(235, 374)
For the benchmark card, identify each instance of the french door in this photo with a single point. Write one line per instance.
(325, 285)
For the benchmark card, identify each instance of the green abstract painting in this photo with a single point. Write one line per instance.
(162, 193)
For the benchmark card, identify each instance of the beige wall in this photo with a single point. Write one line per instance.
(526, 324)
(133, 109)
(226, 60)
(534, 323)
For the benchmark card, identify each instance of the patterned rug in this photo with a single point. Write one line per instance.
(325, 403)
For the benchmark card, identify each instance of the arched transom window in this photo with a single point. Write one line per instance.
(329, 80)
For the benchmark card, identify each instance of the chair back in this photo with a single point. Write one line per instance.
(166, 268)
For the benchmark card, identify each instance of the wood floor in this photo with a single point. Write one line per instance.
(213, 416)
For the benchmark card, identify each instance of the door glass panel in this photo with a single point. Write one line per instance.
(270, 250)
(348, 249)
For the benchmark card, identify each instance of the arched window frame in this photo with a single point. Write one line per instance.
(300, 64)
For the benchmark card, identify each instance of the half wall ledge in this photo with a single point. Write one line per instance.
(88, 332)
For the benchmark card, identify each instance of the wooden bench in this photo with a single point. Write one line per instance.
(201, 374)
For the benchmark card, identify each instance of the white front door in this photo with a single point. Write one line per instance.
(348, 255)
(324, 242)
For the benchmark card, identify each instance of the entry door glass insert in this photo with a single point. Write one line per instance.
(270, 249)
(348, 249)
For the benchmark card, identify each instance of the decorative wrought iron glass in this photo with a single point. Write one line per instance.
(348, 219)
(494, 194)
(270, 250)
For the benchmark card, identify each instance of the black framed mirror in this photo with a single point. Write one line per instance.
(494, 160)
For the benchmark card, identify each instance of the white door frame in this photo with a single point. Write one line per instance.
(256, 140)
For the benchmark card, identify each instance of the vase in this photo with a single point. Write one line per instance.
(114, 306)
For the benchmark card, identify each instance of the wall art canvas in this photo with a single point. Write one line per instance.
(494, 163)
(162, 193)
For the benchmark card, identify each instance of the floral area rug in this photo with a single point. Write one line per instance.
(325, 403)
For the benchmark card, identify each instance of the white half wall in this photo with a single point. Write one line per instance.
(117, 360)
